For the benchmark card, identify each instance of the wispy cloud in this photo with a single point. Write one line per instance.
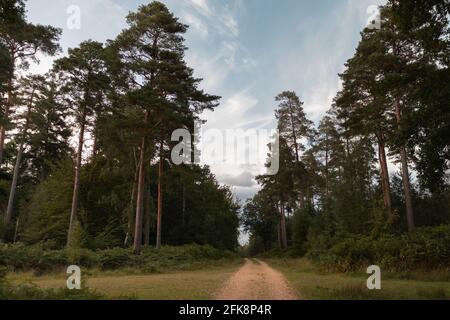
(196, 24)
(201, 6)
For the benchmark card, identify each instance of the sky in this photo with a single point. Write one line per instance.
(246, 51)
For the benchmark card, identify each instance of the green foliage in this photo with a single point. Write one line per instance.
(47, 213)
(22, 257)
(198, 210)
(301, 224)
(36, 258)
(29, 291)
(425, 248)
(32, 292)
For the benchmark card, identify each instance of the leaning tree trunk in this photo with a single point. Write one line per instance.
(160, 199)
(76, 186)
(12, 192)
(405, 175)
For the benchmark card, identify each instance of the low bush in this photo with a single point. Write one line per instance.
(29, 291)
(36, 258)
(425, 248)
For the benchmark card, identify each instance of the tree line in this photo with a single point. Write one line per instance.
(338, 178)
(123, 99)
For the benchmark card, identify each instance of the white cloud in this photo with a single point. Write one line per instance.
(233, 112)
(245, 179)
(221, 19)
(245, 193)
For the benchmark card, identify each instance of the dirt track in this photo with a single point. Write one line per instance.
(256, 281)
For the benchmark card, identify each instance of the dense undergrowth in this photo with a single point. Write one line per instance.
(421, 250)
(29, 291)
(36, 258)
(424, 249)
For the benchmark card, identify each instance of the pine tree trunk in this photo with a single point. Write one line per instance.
(283, 228)
(280, 244)
(137, 245)
(133, 197)
(12, 193)
(140, 200)
(407, 190)
(160, 199)
(183, 209)
(294, 135)
(16, 231)
(385, 181)
(148, 217)
(9, 102)
(327, 179)
(76, 187)
(405, 175)
(302, 200)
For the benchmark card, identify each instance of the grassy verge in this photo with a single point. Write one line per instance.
(311, 283)
(174, 285)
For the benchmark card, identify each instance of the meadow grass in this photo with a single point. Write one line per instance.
(198, 284)
(311, 283)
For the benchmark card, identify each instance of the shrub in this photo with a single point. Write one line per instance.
(29, 291)
(19, 257)
(425, 248)
(115, 258)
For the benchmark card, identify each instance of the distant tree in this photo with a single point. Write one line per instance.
(294, 128)
(259, 219)
(292, 122)
(329, 151)
(280, 188)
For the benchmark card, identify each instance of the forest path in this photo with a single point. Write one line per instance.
(256, 281)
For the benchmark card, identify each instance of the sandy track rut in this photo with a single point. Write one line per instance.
(256, 281)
